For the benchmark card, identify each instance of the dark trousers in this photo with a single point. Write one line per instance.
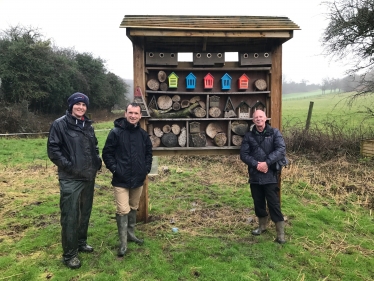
(267, 193)
(76, 199)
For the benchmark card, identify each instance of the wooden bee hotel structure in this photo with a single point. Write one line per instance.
(205, 106)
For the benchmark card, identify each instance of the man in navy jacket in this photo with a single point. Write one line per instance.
(128, 155)
(261, 148)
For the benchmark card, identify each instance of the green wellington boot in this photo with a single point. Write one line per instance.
(122, 233)
(279, 226)
(262, 223)
(131, 229)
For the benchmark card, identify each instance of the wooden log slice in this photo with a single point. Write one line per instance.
(158, 132)
(169, 140)
(213, 129)
(199, 112)
(161, 76)
(198, 140)
(185, 103)
(153, 84)
(260, 84)
(194, 99)
(164, 86)
(164, 102)
(202, 104)
(155, 141)
(176, 98)
(182, 139)
(166, 129)
(220, 139)
(176, 105)
(214, 112)
(239, 127)
(237, 140)
(175, 129)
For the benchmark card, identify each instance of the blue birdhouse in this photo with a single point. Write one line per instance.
(226, 82)
(190, 81)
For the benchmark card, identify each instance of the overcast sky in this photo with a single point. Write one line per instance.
(93, 26)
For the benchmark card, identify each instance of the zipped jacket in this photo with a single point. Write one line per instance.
(74, 150)
(128, 154)
(267, 146)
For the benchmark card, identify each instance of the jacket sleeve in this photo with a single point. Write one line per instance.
(148, 153)
(109, 151)
(279, 148)
(245, 152)
(55, 147)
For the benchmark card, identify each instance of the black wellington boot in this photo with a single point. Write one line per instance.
(131, 229)
(122, 234)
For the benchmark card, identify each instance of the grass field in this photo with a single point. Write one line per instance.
(328, 108)
(328, 209)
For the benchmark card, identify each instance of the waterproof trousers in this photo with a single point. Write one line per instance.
(76, 199)
(263, 194)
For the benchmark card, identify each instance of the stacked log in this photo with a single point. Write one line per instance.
(175, 129)
(239, 127)
(220, 139)
(199, 112)
(185, 103)
(166, 129)
(164, 102)
(164, 86)
(153, 84)
(213, 129)
(155, 141)
(176, 106)
(161, 76)
(214, 112)
(237, 140)
(260, 84)
(158, 132)
(169, 140)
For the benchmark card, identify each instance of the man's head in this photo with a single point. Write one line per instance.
(133, 113)
(259, 118)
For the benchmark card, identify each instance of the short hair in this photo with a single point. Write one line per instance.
(134, 104)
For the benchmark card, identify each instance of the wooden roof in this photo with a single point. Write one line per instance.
(200, 33)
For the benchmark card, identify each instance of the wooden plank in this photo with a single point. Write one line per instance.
(200, 33)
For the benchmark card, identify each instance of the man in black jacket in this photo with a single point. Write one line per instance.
(261, 148)
(128, 155)
(72, 147)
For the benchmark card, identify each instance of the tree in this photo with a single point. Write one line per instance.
(350, 35)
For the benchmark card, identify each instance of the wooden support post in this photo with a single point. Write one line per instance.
(139, 80)
(309, 115)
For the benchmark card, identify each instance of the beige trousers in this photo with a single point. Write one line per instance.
(127, 199)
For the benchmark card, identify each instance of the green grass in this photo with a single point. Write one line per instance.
(328, 108)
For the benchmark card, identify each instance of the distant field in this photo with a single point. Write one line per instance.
(327, 108)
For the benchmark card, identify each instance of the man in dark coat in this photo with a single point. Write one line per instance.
(72, 147)
(128, 155)
(261, 148)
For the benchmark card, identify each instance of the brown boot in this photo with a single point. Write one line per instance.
(279, 226)
(262, 223)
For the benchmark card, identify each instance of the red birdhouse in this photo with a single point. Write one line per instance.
(208, 81)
